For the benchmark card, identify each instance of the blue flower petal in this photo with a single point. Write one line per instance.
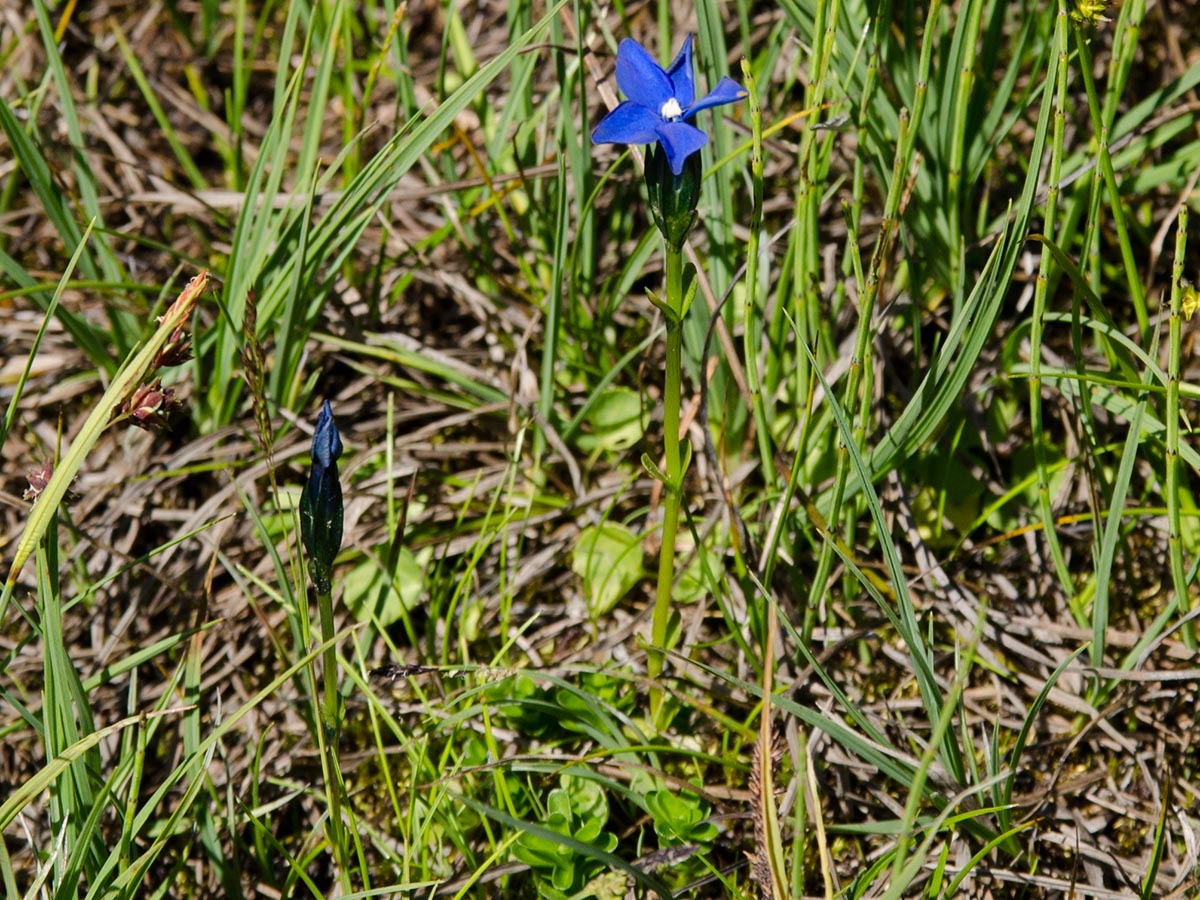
(726, 91)
(641, 78)
(680, 73)
(629, 123)
(680, 140)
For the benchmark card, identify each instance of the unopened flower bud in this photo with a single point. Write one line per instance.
(321, 502)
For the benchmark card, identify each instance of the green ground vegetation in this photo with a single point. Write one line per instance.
(932, 619)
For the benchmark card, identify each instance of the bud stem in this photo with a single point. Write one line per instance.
(330, 727)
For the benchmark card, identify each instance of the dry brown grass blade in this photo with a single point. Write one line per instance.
(132, 374)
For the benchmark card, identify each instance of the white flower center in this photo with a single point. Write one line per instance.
(671, 110)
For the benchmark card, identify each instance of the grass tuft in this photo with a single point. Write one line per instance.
(928, 624)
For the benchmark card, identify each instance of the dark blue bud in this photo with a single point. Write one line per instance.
(321, 502)
(327, 443)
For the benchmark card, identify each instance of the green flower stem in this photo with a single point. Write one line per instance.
(329, 709)
(331, 722)
(1175, 496)
(672, 463)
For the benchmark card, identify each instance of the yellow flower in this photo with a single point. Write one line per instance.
(1088, 10)
(1190, 301)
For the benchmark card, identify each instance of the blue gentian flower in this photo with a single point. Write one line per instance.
(321, 502)
(661, 103)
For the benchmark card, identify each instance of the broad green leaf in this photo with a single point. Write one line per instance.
(608, 558)
(615, 421)
(363, 586)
